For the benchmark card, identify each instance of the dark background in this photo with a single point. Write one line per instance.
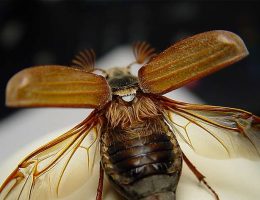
(51, 32)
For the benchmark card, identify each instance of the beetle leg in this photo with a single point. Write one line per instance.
(100, 184)
(199, 175)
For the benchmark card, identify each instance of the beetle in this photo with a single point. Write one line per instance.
(135, 128)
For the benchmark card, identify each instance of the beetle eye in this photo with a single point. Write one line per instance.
(128, 98)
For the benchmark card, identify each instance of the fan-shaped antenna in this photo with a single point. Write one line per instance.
(143, 52)
(85, 60)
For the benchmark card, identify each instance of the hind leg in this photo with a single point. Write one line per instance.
(199, 175)
(100, 184)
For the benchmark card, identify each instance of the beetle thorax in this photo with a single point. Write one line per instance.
(126, 114)
(122, 83)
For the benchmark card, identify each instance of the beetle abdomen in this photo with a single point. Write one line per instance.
(142, 156)
(144, 167)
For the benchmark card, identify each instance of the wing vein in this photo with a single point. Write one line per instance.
(199, 125)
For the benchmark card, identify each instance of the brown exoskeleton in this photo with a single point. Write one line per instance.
(136, 128)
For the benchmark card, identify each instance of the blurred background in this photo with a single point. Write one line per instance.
(51, 32)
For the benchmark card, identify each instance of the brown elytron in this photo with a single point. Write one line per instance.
(136, 129)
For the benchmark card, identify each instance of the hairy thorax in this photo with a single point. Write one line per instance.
(127, 114)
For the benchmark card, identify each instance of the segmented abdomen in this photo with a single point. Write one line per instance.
(150, 153)
(141, 157)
